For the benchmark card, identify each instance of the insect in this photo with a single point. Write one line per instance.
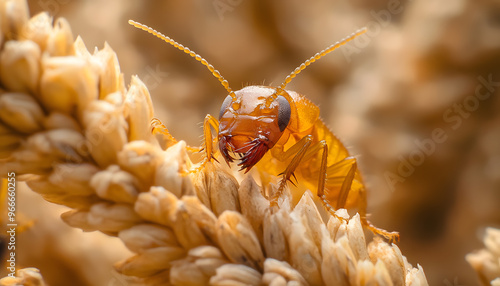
(276, 129)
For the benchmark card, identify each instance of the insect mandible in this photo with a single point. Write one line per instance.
(276, 129)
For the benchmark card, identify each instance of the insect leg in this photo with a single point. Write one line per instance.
(208, 140)
(158, 128)
(323, 171)
(301, 150)
(391, 236)
(345, 172)
(341, 179)
(345, 181)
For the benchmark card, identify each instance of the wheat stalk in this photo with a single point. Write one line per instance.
(80, 138)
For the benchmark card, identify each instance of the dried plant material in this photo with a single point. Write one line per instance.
(115, 185)
(60, 40)
(173, 161)
(305, 255)
(150, 262)
(204, 218)
(217, 190)
(235, 274)
(20, 65)
(9, 141)
(238, 241)
(140, 159)
(153, 205)
(281, 273)
(105, 130)
(15, 14)
(38, 29)
(340, 263)
(356, 238)
(103, 216)
(57, 195)
(111, 79)
(416, 276)
(144, 236)
(392, 258)
(39, 151)
(200, 264)
(486, 261)
(254, 205)
(492, 241)
(21, 111)
(67, 83)
(70, 121)
(186, 228)
(57, 120)
(73, 178)
(138, 105)
(274, 236)
(372, 274)
(25, 277)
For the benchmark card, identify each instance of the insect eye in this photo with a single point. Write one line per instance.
(225, 105)
(284, 112)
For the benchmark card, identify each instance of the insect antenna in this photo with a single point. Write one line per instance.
(204, 62)
(316, 57)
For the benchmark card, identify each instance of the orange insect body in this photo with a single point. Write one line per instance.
(254, 128)
(305, 121)
(278, 130)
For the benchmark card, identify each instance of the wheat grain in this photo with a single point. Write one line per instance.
(486, 262)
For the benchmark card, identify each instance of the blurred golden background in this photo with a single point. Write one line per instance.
(416, 99)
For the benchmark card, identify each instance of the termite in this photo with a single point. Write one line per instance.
(279, 130)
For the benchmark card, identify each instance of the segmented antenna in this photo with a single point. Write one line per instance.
(316, 57)
(204, 62)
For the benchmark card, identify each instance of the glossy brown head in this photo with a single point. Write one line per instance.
(252, 124)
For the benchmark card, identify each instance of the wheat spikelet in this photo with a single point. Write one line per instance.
(67, 120)
(26, 277)
(486, 262)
